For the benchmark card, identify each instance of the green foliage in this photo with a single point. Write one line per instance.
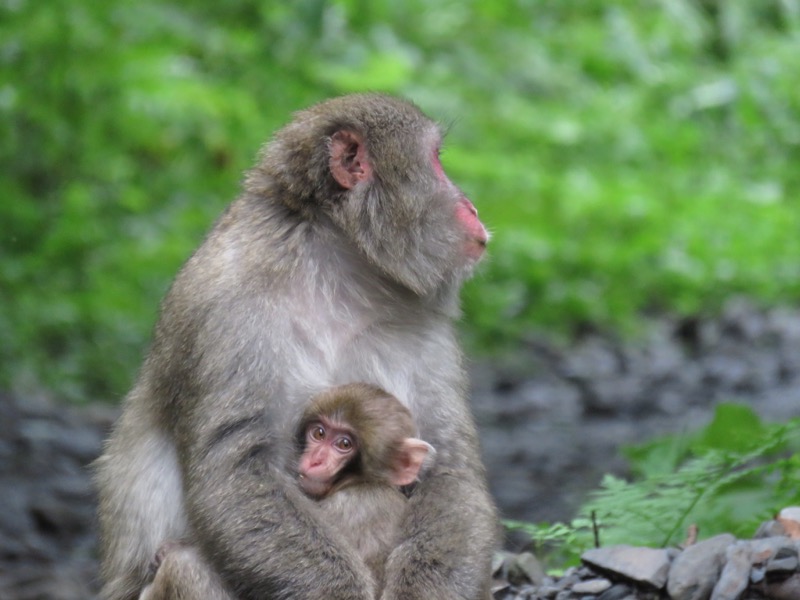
(628, 156)
(728, 477)
(646, 168)
(558, 544)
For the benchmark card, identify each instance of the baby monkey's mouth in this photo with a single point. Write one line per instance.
(312, 487)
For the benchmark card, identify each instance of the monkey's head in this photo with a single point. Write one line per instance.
(370, 163)
(358, 433)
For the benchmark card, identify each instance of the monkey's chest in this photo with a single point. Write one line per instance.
(334, 349)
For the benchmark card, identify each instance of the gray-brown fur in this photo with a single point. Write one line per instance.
(183, 574)
(367, 516)
(380, 420)
(364, 507)
(301, 286)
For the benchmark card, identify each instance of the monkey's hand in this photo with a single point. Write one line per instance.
(449, 533)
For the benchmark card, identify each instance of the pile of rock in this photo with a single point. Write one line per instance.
(719, 568)
(553, 417)
(550, 427)
(47, 535)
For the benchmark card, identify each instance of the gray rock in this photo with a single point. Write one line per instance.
(616, 592)
(593, 358)
(741, 319)
(500, 589)
(695, 571)
(554, 400)
(790, 549)
(548, 591)
(527, 592)
(788, 589)
(782, 565)
(769, 529)
(645, 565)
(517, 569)
(591, 586)
(736, 573)
(757, 574)
(790, 512)
(569, 579)
(764, 549)
(498, 561)
(527, 564)
(620, 394)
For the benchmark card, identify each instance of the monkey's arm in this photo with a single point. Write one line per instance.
(254, 524)
(449, 533)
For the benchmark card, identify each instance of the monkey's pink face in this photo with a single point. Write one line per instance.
(351, 165)
(477, 235)
(329, 447)
(467, 215)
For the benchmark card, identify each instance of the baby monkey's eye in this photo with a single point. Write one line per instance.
(344, 443)
(316, 432)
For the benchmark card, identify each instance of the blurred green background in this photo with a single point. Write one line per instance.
(631, 157)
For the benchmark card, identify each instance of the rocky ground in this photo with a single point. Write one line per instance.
(718, 568)
(47, 533)
(551, 421)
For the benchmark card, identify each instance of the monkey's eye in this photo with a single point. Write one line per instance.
(316, 432)
(344, 444)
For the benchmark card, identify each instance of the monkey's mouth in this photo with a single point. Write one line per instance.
(476, 247)
(313, 487)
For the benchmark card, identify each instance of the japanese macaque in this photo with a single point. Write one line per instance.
(340, 261)
(358, 450)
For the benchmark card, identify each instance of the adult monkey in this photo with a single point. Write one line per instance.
(340, 261)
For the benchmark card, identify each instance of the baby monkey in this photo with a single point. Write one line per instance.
(357, 449)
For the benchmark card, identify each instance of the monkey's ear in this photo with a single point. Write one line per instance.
(414, 457)
(349, 163)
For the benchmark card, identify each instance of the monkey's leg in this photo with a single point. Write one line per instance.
(183, 575)
(449, 532)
